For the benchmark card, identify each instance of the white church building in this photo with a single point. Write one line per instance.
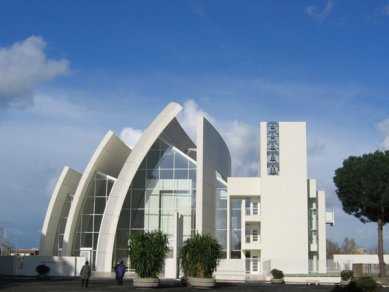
(169, 182)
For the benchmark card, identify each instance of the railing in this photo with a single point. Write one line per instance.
(253, 265)
(252, 238)
(252, 211)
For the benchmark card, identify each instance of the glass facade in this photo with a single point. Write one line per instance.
(221, 212)
(92, 210)
(236, 227)
(164, 184)
(62, 224)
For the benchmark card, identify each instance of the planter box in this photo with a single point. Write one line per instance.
(146, 282)
(277, 281)
(201, 282)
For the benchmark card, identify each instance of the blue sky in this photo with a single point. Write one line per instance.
(72, 70)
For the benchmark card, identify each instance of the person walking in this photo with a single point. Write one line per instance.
(120, 271)
(85, 275)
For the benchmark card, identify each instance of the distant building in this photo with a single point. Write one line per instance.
(24, 252)
(168, 182)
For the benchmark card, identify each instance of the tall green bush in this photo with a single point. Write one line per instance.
(147, 251)
(200, 256)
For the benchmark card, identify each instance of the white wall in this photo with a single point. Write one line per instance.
(284, 201)
(25, 266)
(346, 259)
(230, 269)
(244, 186)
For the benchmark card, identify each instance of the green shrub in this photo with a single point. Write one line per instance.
(277, 274)
(200, 256)
(350, 287)
(147, 251)
(346, 275)
(368, 284)
(364, 284)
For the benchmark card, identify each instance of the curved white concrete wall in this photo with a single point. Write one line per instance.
(212, 155)
(108, 158)
(66, 184)
(164, 125)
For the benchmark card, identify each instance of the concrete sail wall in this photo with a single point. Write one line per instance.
(66, 184)
(108, 159)
(166, 126)
(212, 155)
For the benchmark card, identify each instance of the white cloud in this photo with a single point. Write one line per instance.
(130, 136)
(320, 16)
(23, 67)
(56, 106)
(242, 140)
(383, 128)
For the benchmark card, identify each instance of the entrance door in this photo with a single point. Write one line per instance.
(87, 253)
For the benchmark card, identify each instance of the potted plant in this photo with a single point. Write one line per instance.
(147, 252)
(346, 276)
(277, 276)
(43, 271)
(200, 256)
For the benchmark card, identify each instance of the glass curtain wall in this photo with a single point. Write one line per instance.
(221, 212)
(62, 224)
(92, 210)
(164, 184)
(236, 228)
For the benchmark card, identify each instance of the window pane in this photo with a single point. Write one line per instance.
(137, 218)
(166, 161)
(100, 205)
(87, 207)
(122, 238)
(181, 174)
(86, 223)
(152, 159)
(221, 219)
(166, 174)
(180, 162)
(100, 188)
(221, 236)
(235, 219)
(86, 240)
(139, 180)
(235, 240)
(192, 175)
(97, 224)
(124, 219)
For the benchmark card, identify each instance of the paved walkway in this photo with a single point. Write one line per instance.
(107, 284)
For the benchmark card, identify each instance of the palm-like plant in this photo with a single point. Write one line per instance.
(147, 251)
(200, 256)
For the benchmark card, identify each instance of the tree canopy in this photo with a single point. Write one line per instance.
(363, 188)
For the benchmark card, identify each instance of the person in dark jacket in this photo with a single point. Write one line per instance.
(120, 271)
(85, 275)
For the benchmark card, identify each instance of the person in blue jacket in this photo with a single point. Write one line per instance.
(120, 271)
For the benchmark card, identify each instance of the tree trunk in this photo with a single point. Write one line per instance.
(380, 250)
